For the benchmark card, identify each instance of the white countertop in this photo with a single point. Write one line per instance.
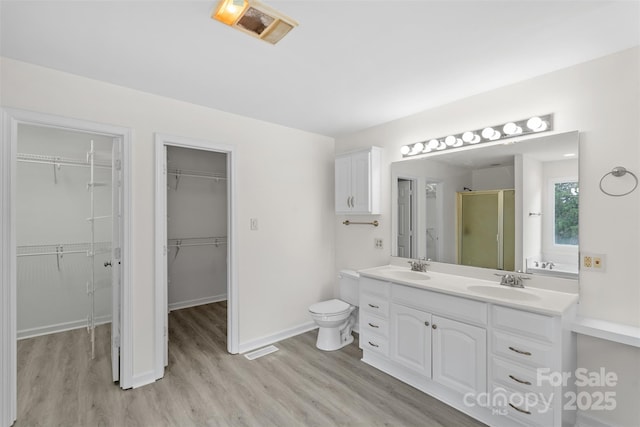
(531, 299)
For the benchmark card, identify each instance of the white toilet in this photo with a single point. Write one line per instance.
(336, 318)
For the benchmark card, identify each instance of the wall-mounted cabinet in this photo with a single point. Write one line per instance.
(358, 182)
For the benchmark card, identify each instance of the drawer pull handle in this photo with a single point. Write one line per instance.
(426, 323)
(434, 326)
(373, 306)
(520, 410)
(526, 353)
(518, 380)
(373, 345)
(373, 326)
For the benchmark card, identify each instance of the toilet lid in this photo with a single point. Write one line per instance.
(332, 306)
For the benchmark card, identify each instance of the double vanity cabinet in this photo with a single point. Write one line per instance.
(482, 348)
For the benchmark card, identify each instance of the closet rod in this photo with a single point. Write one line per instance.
(52, 253)
(196, 174)
(57, 161)
(197, 244)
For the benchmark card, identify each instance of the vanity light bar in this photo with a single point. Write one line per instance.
(531, 125)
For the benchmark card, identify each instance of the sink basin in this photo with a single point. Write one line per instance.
(407, 275)
(506, 293)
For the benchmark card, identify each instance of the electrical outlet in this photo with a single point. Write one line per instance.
(593, 262)
(377, 243)
(254, 224)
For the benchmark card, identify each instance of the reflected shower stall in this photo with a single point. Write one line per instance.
(486, 229)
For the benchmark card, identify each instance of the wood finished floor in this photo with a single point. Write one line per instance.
(58, 385)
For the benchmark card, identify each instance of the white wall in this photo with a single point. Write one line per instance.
(284, 178)
(601, 99)
(196, 208)
(494, 178)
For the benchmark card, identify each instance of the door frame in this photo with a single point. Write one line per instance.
(415, 211)
(162, 141)
(11, 118)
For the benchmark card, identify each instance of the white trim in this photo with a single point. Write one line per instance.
(278, 336)
(60, 327)
(161, 303)
(610, 331)
(143, 379)
(585, 419)
(196, 302)
(8, 365)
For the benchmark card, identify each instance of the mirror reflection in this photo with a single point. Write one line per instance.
(511, 206)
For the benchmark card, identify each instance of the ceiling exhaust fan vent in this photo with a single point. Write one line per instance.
(255, 19)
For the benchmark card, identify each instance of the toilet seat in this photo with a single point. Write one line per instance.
(330, 307)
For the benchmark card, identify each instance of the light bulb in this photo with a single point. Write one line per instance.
(470, 137)
(511, 129)
(434, 144)
(442, 146)
(458, 143)
(536, 124)
(491, 134)
(417, 148)
(450, 140)
(404, 150)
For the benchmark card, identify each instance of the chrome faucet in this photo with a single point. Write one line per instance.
(419, 265)
(512, 280)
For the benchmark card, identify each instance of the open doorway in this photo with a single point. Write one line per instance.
(194, 240)
(65, 250)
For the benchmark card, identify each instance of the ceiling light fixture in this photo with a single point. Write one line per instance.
(254, 18)
(534, 124)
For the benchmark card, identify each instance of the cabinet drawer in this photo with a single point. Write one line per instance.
(523, 350)
(373, 286)
(374, 324)
(374, 304)
(373, 342)
(523, 409)
(437, 303)
(518, 377)
(524, 322)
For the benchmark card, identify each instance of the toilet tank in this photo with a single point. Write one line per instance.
(349, 286)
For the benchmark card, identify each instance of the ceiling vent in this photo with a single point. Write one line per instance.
(254, 18)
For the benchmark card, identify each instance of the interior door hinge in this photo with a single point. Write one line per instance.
(116, 253)
(164, 250)
(118, 164)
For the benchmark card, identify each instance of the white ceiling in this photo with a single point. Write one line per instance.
(348, 66)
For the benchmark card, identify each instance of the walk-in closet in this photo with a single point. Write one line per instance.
(63, 206)
(196, 227)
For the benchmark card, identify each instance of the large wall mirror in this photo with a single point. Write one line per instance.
(512, 206)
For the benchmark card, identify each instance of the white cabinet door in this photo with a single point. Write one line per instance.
(361, 182)
(343, 184)
(357, 182)
(459, 355)
(411, 338)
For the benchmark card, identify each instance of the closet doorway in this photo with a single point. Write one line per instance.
(194, 232)
(65, 242)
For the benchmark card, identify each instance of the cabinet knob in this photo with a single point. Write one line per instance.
(434, 326)
(426, 323)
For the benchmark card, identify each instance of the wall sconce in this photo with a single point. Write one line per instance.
(534, 124)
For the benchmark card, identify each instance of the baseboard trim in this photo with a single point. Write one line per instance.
(59, 327)
(143, 379)
(195, 302)
(278, 336)
(584, 419)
